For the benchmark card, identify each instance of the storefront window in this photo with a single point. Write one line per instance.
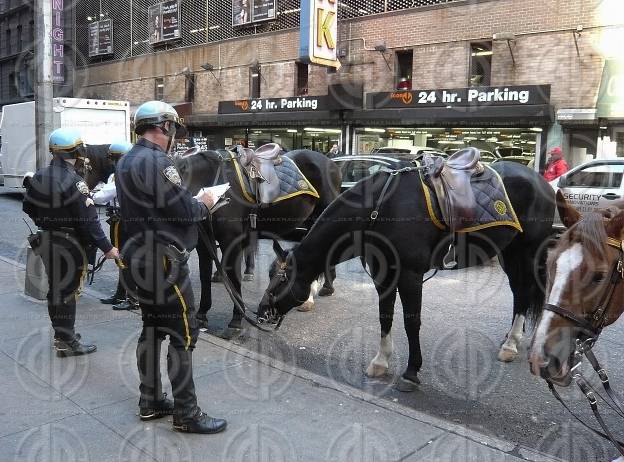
(515, 144)
(316, 139)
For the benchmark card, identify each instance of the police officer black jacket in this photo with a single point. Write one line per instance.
(152, 198)
(58, 198)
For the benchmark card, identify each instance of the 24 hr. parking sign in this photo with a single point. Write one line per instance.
(319, 32)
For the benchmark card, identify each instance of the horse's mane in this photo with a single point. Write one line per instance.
(589, 231)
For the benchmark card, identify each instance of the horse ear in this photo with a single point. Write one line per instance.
(281, 253)
(568, 214)
(615, 226)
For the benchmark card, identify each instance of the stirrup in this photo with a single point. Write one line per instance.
(449, 261)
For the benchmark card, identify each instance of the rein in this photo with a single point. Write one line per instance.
(239, 304)
(593, 323)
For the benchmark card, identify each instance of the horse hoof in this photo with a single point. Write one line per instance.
(405, 385)
(307, 306)
(202, 322)
(507, 356)
(248, 277)
(376, 370)
(326, 291)
(231, 333)
(216, 277)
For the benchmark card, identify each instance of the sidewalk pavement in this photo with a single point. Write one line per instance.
(84, 409)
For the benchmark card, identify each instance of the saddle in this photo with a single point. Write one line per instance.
(259, 166)
(450, 180)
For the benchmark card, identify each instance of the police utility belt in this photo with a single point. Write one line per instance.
(36, 241)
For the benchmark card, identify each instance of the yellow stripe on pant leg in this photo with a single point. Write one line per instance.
(187, 336)
(116, 233)
(82, 280)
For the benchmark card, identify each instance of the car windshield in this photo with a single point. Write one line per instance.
(597, 176)
(393, 150)
(509, 151)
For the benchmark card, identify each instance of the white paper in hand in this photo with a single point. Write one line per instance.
(217, 191)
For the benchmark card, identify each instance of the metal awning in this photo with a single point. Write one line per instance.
(277, 119)
(517, 115)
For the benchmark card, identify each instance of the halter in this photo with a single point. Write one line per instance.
(272, 315)
(594, 323)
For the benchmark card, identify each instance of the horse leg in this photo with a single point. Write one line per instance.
(233, 271)
(308, 305)
(517, 264)
(379, 365)
(205, 272)
(410, 291)
(328, 284)
(250, 250)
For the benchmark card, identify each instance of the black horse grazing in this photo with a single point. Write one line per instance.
(403, 243)
(231, 223)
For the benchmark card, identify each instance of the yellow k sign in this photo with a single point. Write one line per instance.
(323, 26)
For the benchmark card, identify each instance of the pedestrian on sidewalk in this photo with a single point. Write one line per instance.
(124, 297)
(555, 165)
(160, 217)
(57, 199)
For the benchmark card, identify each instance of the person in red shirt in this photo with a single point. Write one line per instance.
(556, 164)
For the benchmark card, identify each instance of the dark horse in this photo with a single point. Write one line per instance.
(403, 244)
(99, 167)
(231, 223)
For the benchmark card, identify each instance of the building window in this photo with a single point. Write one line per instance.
(159, 89)
(19, 38)
(480, 64)
(302, 79)
(254, 81)
(12, 85)
(8, 41)
(403, 66)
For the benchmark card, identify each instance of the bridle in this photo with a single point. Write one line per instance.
(592, 324)
(272, 315)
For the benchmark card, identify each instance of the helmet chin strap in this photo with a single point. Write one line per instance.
(169, 133)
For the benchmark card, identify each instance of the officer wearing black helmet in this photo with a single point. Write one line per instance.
(58, 201)
(159, 217)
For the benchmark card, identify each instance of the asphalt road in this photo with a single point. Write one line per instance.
(465, 317)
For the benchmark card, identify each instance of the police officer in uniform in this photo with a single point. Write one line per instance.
(124, 297)
(58, 201)
(160, 216)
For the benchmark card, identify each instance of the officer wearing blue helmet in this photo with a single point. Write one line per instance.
(58, 201)
(160, 216)
(124, 297)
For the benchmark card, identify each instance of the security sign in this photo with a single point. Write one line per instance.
(319, 32)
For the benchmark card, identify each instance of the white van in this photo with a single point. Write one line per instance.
(98, 121)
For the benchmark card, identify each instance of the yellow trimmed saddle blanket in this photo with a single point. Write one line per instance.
(284, 182)
(491, 206)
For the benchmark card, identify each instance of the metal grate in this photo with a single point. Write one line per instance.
(202, 21)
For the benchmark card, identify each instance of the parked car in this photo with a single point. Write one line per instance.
(356, 167)
(513, 154)
(415, 150)
(594, 184)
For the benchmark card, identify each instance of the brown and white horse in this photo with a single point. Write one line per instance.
(584, 292)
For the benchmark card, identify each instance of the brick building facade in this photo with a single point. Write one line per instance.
(555, 43)
(17, 43)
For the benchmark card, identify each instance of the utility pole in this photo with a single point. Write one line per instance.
(43, 88)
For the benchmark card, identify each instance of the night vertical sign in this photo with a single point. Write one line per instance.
(58, 42)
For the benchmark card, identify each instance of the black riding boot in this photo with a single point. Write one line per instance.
(188, 417)
(148, 362)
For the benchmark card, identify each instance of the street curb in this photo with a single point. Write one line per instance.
(512, 449)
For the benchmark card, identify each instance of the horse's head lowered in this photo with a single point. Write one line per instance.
(584, 293)
(284, 291)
